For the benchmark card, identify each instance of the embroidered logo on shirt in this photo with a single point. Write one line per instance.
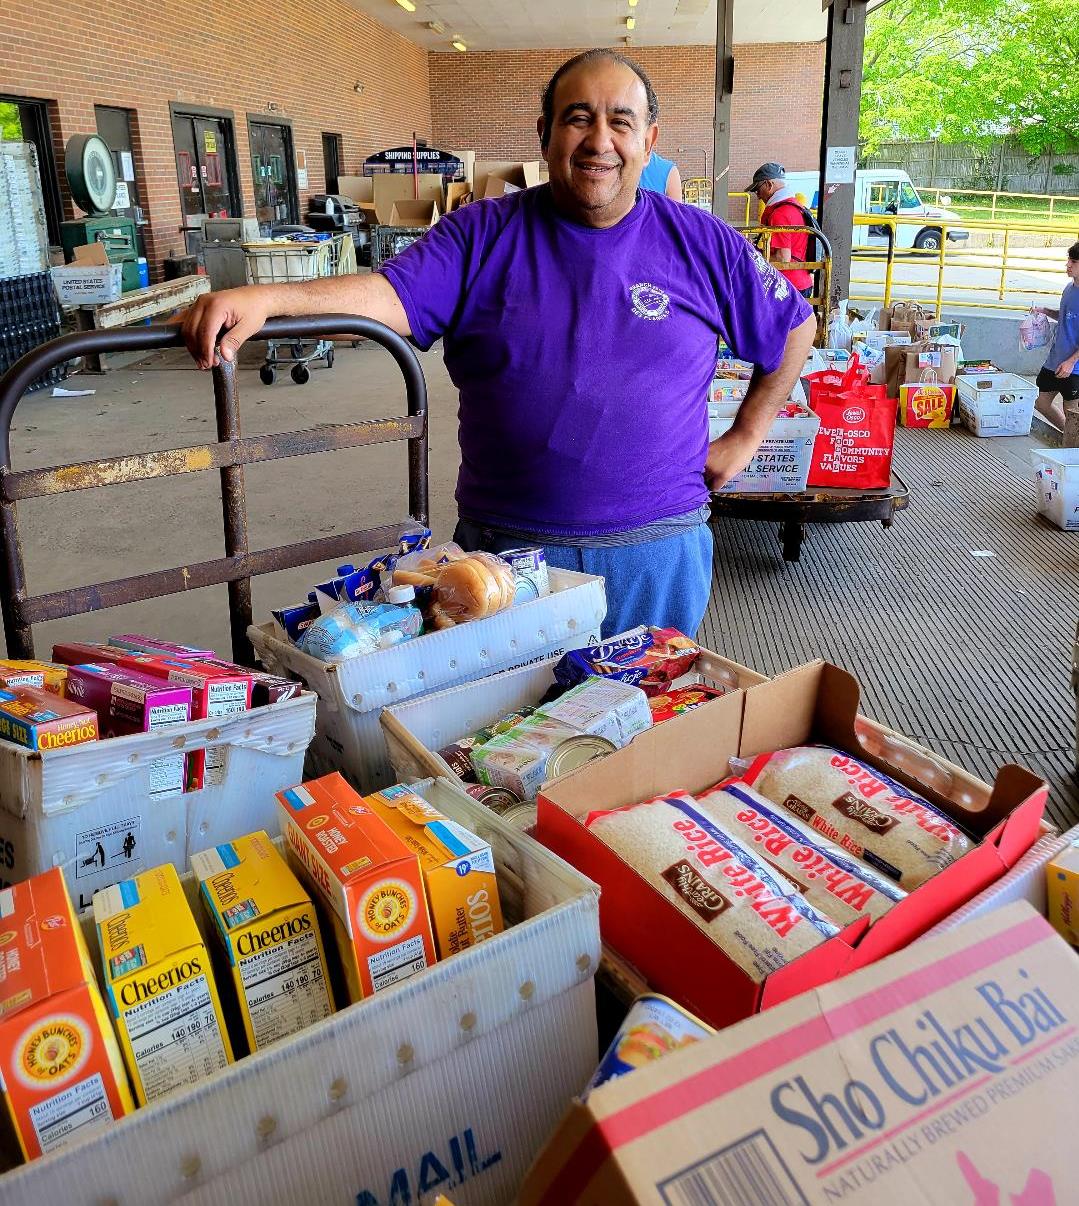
(649, 302)
(771, 281)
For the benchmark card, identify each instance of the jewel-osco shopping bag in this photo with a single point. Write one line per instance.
(857, 430)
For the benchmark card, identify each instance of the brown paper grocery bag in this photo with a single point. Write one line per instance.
(942, 359)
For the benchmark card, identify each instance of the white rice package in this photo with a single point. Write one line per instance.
(751, 911)
(835, 883)
(861, 809)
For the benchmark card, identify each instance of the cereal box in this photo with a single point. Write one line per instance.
(159, 984)
(269, 933)
(44, 675)
(265, 688)
(458, 869)
(1062, 899)
(40, 720)
(61, 1073)
(157, 648)
(368, 879)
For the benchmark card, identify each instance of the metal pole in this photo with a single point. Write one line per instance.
(839, 128)
(721, 125)
(234, 510)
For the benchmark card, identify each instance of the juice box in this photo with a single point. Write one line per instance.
(44, 675)
(458, 869)
(157, 648)
(61, 1072)
(1062, 893)
(159, 984)
(43, 721)
(368, 879)
(129, 702)
(269, 932)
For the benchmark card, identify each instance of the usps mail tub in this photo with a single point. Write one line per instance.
(352, 693)
(415, 731)
(995, 404)
(449, 1082)
(89, 808)
(781, 464)
(1057, 483)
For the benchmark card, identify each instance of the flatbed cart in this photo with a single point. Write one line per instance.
(794, 511)
(228, 455)
(287, 261)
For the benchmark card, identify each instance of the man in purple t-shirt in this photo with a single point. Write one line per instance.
(579, 322)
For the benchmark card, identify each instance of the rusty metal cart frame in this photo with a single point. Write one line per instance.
(229, 455)
(793, 511)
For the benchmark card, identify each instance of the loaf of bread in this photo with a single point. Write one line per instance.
(471, 588)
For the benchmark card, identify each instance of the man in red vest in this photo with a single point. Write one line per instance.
(781, 208)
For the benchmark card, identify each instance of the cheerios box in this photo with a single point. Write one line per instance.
(368, 879)
(61, 1071)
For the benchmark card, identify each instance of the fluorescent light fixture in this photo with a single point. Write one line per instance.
(436, 27)
(631, 23)
(459, 45)
(407, 5)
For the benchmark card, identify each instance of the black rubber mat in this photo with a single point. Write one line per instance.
(958, 621)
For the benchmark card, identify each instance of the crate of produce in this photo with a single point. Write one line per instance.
(996, 404)
(92, 809)
(1057, 483)
(450, 1081)
(352, 693)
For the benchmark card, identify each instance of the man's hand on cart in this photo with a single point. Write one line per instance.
(727, 457)
(239, 312)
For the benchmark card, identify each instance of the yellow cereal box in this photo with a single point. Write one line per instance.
(269, 932)
(159, 984)
(458, 869)
(1062, 884)
(367, 878)
(60, 1068)
(46, 676)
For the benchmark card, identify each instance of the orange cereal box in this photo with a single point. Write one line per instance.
(368, 879)
(61, 1070)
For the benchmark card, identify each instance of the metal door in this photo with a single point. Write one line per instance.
(331, 160)
(274, 171)
(23, 119)
(114, 126)
(205, 170)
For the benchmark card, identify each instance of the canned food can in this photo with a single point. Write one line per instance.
(654, 1027)
(576, 752)
(508, 722)
(521, 816)
(458, 758)
(530, 575)
(498, 799)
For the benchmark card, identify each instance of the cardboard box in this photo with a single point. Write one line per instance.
(458, 869)
(367, 879)
(42, 721)
(457, 194)
(88, 286)
(468, 166)
(455, 1082)
(942, 1075)
(157, 977)
(390, 188)
(45, 676)
(497, 177)
(62, 1076)
(996, 404)
(138, 643)
(268, 933)
(1062, 887)
(781, 464)
(816, 702)
(357, 188)
(414, 213)
(353, 693)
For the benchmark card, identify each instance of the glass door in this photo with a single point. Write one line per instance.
(205, 171)
(274, 171)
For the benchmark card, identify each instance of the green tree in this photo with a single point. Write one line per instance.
(10, 122)
(972, 71)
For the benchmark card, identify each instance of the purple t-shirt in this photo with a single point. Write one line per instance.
(583, 357)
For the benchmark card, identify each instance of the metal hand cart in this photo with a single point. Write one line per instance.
(289, 260)
(231, 452)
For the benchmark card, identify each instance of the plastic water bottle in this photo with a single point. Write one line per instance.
(354, 629)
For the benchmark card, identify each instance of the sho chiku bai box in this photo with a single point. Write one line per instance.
(458, 869)
(947, 1073)
(61, 1073)
(269, 933)
(159, 984)
(369, 880)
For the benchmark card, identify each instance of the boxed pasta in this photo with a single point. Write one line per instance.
(936, 836)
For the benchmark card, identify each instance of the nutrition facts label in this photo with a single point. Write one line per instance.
(285, 988)
(176, 1038)
(167, 773)
(225, 699)
(397, 963)
(83, 1108)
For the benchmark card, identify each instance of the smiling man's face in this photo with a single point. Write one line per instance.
(600, 141)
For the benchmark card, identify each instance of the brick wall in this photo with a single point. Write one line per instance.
(140, 55)
(490, 101)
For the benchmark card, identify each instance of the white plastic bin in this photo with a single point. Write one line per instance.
(450, 1081)
(88, 285)
(781, 464)
(351, 694)
(1057, 482)
(996, 404)
(65, 807)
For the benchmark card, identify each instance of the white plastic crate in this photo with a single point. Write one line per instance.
(1057, 484)
(75, 808)
(996, 404)
(450, 1081)
(351, 694)
(415, 731)
(781, 464)
(89, 285)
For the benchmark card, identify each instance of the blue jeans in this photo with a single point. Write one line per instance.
(661, 583)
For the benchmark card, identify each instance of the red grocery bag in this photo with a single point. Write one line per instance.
(857, 429)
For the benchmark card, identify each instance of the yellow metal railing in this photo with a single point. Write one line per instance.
(1053, 208)
(697, 190)
(994, 261)
(820, 299)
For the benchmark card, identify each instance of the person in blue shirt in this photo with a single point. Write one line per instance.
(1059, 376)
(662, 176)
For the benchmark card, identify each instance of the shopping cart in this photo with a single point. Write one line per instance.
(289, 260)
